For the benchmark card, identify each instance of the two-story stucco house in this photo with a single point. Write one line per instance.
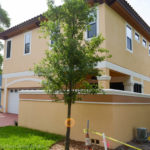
(127, 38)
(126, 77)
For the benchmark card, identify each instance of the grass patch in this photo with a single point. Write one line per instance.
(19, 138)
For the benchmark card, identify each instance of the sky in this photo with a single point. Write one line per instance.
(22, 10)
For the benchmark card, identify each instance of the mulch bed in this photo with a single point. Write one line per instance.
(143, 146)
(74, 145)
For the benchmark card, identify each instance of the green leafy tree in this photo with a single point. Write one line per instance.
(71, 58)
(4, 23)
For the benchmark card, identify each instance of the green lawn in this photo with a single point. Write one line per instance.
(18, 138)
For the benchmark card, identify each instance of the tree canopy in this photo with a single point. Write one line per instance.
(4, 23)
(71, 58)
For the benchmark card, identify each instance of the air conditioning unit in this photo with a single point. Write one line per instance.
(142, 135)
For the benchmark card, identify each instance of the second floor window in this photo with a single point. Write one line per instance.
(27, 44)
(54, 34)
(129, 37)
(92, 31)
(144, 43)
(51, 42)
(137, 37)
(8, 53)
(149, 49)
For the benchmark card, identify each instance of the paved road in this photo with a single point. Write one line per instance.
(7, 119)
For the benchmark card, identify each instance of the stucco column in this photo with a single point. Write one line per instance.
(129, 84)
(104, 80)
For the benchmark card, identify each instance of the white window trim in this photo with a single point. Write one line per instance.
(131, 51)
(146, 42)
(149, 49)
(135, 38)
(97, 24)
(10, 50)
(142, 84)
(30, 32)
(49, 44)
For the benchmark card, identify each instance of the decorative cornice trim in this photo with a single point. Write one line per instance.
(18, 74)
(105, 91)
(84, 102)
(24, 79)
(104, 77)
(109, 65)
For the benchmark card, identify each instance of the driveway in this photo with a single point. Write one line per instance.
(7, 119)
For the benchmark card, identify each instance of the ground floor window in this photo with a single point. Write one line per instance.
(137, 88)
(117, 86)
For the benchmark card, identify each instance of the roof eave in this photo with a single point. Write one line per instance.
(27, 25)
(34, 22)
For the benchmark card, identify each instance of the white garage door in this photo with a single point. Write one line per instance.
(13, 101)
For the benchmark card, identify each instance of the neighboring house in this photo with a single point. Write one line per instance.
(127, 38)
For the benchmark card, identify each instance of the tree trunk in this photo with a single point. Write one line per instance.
(67, 144)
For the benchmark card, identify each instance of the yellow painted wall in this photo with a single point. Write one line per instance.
(139, 60)
(117, 121)
(20, 62)
(111, 25)
(146, 87)
(15, 83)
(126, 118)
(113, 28)
(23, 84)
(137, 79)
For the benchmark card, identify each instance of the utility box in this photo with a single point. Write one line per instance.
(142, 135)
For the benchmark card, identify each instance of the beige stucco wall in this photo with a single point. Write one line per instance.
(139, 60)
(137, 79)
(146, 87)
(16, 83)
(21, 83)
(117, 121)
(126, 118)
(111, 25)
(20, 62)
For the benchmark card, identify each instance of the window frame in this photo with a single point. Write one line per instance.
(90, 24)
(129, 50)
(138, 35)
(49, 43)
(145, 41)
(27, 33)
(149, 49)
(10, 49)
(138, 83)
(97, 25)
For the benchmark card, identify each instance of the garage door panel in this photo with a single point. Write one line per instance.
(13, 101)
